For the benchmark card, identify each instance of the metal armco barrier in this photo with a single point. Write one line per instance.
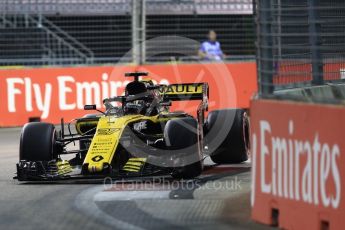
(52, 93)
(298, 173)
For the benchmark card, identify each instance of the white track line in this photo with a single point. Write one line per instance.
(85, 202)
(131, 195)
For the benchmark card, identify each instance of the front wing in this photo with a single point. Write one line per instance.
(56, 171)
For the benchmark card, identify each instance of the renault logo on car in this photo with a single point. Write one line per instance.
(97, 158)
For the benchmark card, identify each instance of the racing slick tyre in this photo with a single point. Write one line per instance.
(37, 142)
(181, 136)
(227, 146)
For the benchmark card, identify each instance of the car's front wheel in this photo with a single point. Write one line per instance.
(37, 142)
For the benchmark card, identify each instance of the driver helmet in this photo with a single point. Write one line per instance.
(138, 90)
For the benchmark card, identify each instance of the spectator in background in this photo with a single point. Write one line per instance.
(210, 50)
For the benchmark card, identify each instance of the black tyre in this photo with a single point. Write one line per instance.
(37, 142)
(227, 136)
(181, 137)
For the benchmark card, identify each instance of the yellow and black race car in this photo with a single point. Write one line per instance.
(136, 136)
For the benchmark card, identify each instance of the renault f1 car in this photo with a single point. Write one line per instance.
(136, 136)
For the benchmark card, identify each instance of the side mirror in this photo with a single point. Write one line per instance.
(152, 87)
(90, 107)
(166, 103)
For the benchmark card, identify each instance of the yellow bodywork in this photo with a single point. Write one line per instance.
(106, 139)
(110, 128)
(63, 167)
(183, 89)
(134, 164)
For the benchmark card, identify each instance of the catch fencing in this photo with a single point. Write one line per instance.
(300, 43)
(91, 32)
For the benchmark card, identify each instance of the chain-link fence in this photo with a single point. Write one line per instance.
(69, 32)
(235, 33)
(300, 43)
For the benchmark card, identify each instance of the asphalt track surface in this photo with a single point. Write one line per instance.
(219, 199)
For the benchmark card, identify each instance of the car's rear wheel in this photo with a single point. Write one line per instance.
(37, 142)
(181, 137)
(227, 135)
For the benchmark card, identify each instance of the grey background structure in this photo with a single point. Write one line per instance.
(61, 32)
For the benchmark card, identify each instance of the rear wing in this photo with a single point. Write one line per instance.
(184, 92)
(180, 92)
(187, 92)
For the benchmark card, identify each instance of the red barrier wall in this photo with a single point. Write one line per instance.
(298, 164)
(298, 71)
(52, 93)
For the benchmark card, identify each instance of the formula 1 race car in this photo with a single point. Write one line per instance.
(136, 136)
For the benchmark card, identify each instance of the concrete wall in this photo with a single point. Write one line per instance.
(329, 92)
